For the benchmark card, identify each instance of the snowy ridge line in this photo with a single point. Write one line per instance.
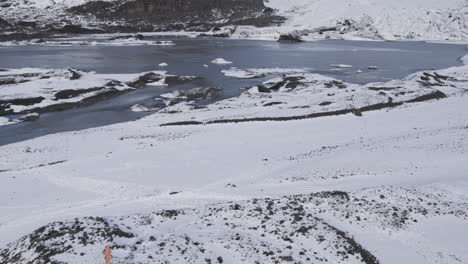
(434, 96)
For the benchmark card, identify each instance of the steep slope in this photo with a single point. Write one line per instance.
(133, 15)
(376, 19)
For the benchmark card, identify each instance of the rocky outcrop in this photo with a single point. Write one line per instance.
(181, 14)
(129, 16)
(197, 93)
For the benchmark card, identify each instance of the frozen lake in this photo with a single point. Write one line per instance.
(187, 57)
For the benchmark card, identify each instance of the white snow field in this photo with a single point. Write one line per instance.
(303, 168)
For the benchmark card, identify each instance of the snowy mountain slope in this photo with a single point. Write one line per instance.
(50, 16)
(372, 19)
(314, 19)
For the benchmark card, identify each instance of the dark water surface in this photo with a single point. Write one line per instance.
(187, 57)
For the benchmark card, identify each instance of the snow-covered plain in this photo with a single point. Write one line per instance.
(353, 186)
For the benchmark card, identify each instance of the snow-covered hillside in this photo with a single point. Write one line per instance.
(371, 19)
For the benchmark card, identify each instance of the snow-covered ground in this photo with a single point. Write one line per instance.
(301, 168)
(337, 183)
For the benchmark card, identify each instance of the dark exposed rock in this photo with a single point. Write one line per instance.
(77, 29)
(199, 15)
(74, 74)
(183, 123)
(263, 89)
(176, 80)
(435, 79)
(327, 29)
(152, 15)
(432, 96)
(336, 84)
(3, 23)
(6, 81)
(268, 10)
(98, 8)
(143, 80)
(5, 104)
(29, 24)
(332, 194)
(197, 93)
(273, 103)
(23, 36)
(290, 38)
(165, 11)
(106, 93)
(291, 82)
(137, 36)
(217, 32)
(383, 88)
(169, 213)
(66, 94)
